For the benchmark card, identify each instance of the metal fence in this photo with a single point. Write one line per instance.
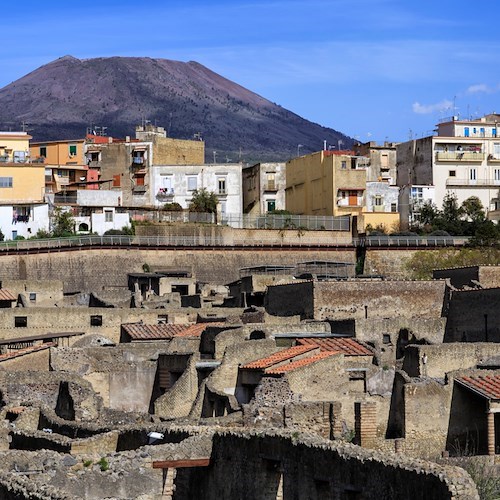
(279, 221)
(245, 221)
(304, 240)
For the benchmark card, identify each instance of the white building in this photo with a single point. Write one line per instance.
(95, 211)
(264, 187)
(23, 219)
(176, 184)
(463, 158)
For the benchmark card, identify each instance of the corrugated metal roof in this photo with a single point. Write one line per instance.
(299, 363)
(7, 295)
(347, 346)
(487, 386)
(278, 357)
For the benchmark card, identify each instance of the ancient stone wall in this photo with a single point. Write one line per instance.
(378, 299)
(274, 466)
(474, 316)
(444, 358)
(291, 299)
(94, 270)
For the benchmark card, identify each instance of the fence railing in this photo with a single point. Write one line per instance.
(291, 240)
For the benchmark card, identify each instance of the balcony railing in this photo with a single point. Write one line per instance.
(469, 182)
(460, 156)
(165, 194)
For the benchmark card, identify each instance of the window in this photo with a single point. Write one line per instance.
(108, 215)
(116, 180)
(386, 338)
(72, 149)
(271, 181)
(384, 161)
(32, 297)
(162, 319)
(192, 183)
(343, 165)
(93, 156)
(221, 185)
(417, 193)
(43, 151)
(473, 174)
(452, 173)
(496, 174)
(271, 205)
(466, 131)
(394, 207)
(493, 132)
(5, 182)
(378, 200)
(20, 321)
(19, 156)
(96, 320)
(482, 132)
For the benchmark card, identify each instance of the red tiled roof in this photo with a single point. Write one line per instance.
(486, 385)
(140, 331)
(7, 295)
(196, 330)
(347, 346)
(27, 350)
(299, 363)
(278, 357)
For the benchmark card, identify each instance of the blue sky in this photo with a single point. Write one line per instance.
(373, 69)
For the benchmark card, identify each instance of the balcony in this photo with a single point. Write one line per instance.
(483, 183)
(494, 158)
(165, 194)
(468, 156)
(222, 192)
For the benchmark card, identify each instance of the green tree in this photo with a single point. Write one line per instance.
(203, 201)
(473, 209)
(63, 223)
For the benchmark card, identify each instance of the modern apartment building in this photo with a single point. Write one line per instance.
(463, 158)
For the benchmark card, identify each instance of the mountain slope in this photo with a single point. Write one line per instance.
(61, 99)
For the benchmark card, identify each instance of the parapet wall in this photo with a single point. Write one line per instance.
(275, 466)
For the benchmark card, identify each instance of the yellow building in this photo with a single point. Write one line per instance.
(22, 183)
(58, 152)
(64, 162)
(14, 147)
(325, 183)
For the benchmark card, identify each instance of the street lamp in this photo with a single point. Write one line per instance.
(298, 148)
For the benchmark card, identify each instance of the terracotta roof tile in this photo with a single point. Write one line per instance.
(347, 346)
(27, 350)
(166, 331)
(278, 357)
(299, 363)
(7, 295)
(486, 385)
(196, 330)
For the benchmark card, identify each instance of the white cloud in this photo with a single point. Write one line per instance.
(427, 109)
(480, 87)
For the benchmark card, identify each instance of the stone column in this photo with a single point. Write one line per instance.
(491, 433)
